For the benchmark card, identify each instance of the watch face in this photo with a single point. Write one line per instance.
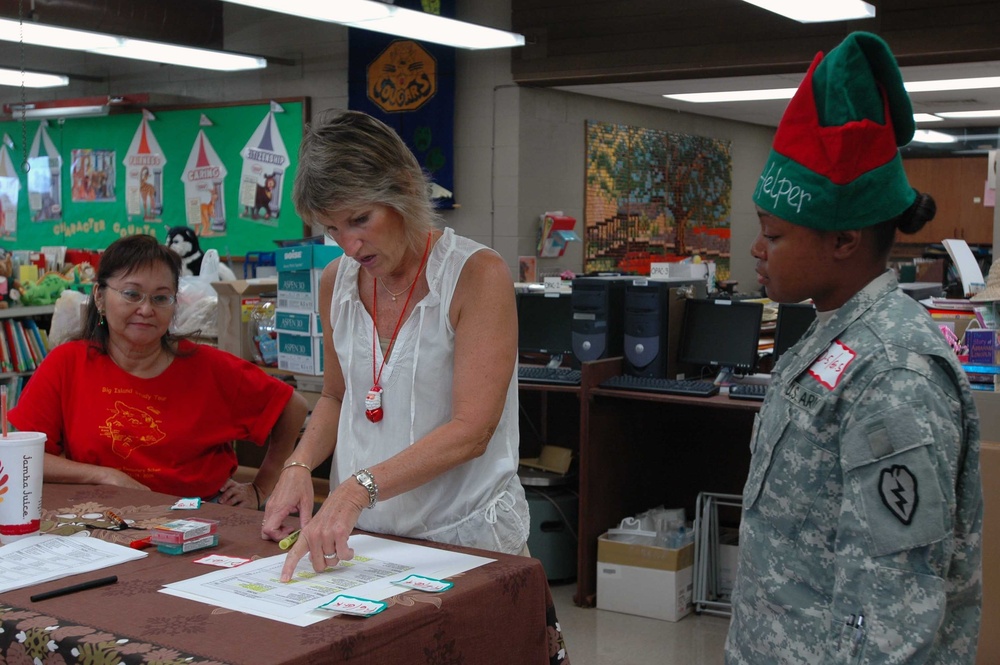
(364, 478)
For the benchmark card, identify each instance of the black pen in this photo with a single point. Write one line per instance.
(82, 586)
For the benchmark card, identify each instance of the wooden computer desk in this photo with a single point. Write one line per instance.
(642, 450)
(635, 451)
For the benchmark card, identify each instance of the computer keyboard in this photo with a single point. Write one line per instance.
(540, 374)
(755, 391)
(650, 384)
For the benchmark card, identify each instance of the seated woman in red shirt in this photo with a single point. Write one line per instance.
(130, 404)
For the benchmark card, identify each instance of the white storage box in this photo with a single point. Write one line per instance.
(644, 580)
(300, 353)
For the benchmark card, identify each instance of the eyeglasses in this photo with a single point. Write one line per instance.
(138, 297)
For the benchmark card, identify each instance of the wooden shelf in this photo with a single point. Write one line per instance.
(26, 311)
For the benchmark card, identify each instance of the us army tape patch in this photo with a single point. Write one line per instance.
(898, 489)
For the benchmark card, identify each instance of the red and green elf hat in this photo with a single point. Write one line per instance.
(835, 164)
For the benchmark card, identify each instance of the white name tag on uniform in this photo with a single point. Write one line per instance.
(831, 366)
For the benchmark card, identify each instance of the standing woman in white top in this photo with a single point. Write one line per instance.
(419, 402)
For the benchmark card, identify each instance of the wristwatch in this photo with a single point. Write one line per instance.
(367, 480)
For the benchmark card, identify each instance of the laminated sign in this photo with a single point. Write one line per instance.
(204, 180)
(10, 185)
(44, 184)
(265, 162)
(144, 164)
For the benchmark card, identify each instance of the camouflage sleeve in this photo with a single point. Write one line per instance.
(901, 446)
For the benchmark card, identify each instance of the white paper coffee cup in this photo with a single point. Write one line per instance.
(21, 456)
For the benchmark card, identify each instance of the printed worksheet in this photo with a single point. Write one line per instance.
(255, 587)
(40, 559)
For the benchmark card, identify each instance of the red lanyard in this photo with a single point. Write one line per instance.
(399, 323)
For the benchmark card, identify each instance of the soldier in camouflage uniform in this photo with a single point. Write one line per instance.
(862, 513)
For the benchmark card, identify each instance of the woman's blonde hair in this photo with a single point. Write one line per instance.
(349, 160)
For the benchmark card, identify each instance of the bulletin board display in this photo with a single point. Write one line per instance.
(123, 174)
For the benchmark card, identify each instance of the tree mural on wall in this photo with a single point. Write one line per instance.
(655, 196)
(700, 184)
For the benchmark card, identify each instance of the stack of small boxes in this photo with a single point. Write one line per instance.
(187, 535)
(300, 341)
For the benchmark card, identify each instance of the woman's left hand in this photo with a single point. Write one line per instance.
(324, 538)
(238, 494)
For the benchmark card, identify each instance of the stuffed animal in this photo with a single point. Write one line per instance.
(46, 290)
(184, 241)
(6, 279)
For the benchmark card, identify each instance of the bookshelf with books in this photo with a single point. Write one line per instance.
(23, 344)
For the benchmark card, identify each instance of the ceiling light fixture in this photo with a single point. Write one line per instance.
(392, 20)
(926, 117)
(126, 47)
(14, 77)
(942, 85)
(930, 136)
(978, 83)
(817, 12)
(77, 108)
(31, 113)
(734, 96)
(991, 113)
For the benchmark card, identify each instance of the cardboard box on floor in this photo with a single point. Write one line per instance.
(644, 580)
(236, 300)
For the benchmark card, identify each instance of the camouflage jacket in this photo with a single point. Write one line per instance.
(862, 514)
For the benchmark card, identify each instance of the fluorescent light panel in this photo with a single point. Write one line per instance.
(14, 78)
(125, 47)
(734, 96)
(392, 20)
(817, 11)
(58, 112)
(979, 83)
(991, 113)
(926, 117)
(930, 136)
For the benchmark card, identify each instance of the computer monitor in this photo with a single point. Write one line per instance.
(544, 323)
(721, 334)
(793, 321)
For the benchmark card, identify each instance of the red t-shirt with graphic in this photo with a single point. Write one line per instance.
(172, 433)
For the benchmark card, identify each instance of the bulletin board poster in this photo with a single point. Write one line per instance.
(45, 169)
(9, 189)
(98, 191)
(410, 86)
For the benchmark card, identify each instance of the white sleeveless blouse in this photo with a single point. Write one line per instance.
(478, 504)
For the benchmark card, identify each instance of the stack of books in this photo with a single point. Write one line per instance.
(982, 366)
(23, 345)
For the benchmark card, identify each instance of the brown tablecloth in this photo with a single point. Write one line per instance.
(131, 622)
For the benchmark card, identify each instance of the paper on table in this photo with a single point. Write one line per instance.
(254, 587)
(965, 264)
(44, 558)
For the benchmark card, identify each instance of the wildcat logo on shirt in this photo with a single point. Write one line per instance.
(129, 428)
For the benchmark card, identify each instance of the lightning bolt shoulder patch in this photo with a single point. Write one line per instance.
(897, 487)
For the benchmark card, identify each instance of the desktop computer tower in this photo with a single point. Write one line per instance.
(598, 316)
(654, 311)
